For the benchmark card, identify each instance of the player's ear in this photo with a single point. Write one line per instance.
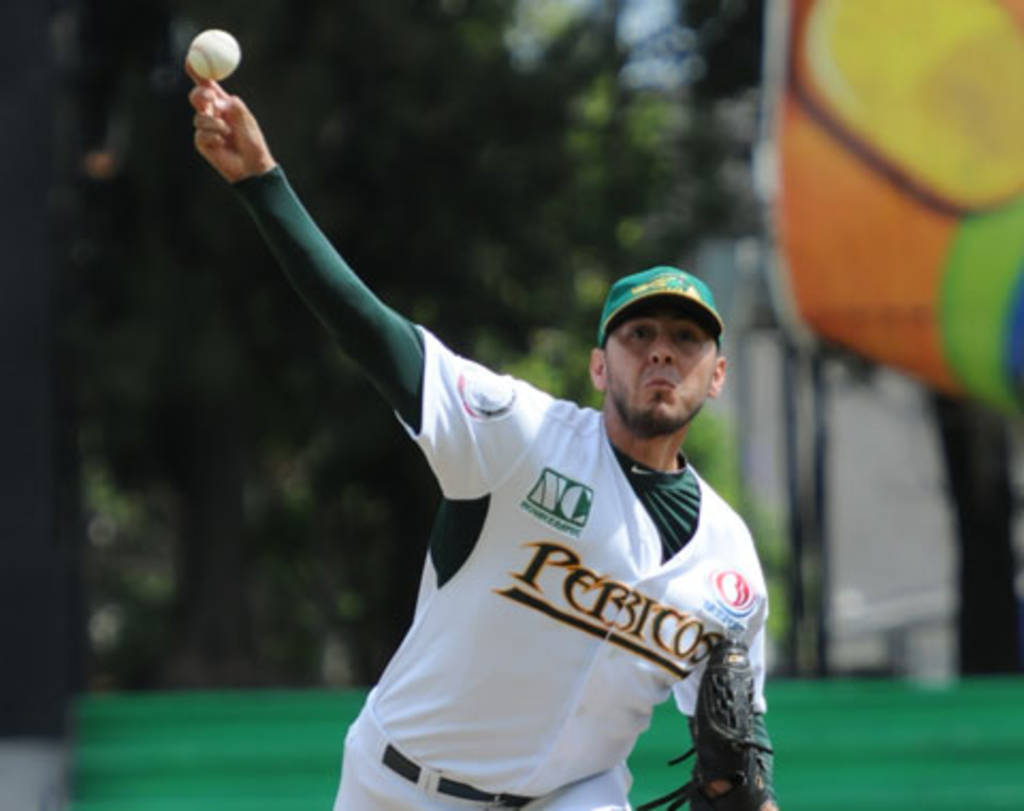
(717, 377)
(597, 369)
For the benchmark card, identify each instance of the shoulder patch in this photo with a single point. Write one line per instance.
(485, 395)
(733, 593)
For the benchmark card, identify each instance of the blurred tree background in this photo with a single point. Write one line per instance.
(253, 513)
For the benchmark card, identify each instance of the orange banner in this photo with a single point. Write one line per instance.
(900, 213)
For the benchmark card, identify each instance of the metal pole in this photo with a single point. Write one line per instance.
(797, 610)
(820, 493)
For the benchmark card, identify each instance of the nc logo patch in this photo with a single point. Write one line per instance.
(559, 502)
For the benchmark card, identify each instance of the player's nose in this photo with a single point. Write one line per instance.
(661, 349)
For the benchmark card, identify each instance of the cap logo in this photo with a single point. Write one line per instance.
(665, 284)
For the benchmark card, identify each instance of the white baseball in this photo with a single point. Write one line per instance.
(214, 54)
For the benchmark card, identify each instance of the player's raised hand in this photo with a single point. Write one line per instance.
(227, 135)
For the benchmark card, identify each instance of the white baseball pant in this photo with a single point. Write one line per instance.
(367, 784)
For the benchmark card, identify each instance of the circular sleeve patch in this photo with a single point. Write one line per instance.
(485, 395)
(733, 593)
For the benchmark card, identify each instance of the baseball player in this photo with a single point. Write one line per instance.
(579, 571)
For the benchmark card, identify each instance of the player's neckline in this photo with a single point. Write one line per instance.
(639, 472)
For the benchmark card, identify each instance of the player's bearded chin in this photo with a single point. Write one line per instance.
(648, 422)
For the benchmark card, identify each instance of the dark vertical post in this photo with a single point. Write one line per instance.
(806, 450)
(820, 497)
(975, 444)
(34, 572)
(797, 610)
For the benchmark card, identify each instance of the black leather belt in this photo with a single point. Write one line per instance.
(399, 763)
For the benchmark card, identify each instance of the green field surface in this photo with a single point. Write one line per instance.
(840, 744)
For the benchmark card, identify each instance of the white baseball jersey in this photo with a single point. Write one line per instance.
(540, 660)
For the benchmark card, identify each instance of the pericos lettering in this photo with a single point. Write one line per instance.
(556, 583)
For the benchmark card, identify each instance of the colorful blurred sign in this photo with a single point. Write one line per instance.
(900, 212)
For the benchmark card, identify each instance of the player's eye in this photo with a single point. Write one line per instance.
(688, 335)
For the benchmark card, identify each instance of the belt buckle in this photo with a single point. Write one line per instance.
(412, 772)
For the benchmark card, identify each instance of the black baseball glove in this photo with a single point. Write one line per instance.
(723, 738)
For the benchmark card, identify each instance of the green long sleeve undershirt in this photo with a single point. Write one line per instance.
(385, 345)
(766, 759)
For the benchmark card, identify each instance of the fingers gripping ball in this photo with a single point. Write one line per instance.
(214, 54)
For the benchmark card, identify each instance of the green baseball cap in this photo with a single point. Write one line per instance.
(662, 281)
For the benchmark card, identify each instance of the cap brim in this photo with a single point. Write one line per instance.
(688, 305)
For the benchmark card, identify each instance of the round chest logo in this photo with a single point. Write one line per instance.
(733, 592)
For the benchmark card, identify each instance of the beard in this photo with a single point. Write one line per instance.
(648, 423)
